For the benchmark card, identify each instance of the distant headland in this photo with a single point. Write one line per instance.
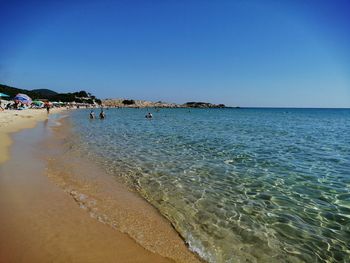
(129, 103)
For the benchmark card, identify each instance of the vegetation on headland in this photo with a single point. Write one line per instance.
(128, 102)
(194, 104)
(37, 94)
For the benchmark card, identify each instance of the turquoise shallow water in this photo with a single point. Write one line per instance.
(240, 185)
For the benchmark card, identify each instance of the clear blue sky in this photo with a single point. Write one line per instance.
(248, 53)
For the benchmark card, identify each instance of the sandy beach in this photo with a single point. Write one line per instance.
(43, 221)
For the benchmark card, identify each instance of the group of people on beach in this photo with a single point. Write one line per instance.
(17, 105)
(102, 114)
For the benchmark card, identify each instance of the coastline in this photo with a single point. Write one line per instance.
(41, 220)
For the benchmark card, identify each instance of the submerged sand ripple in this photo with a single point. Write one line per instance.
(110, 202)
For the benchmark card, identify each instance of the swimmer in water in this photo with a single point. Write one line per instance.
(92, 114)
(149, 116)
(102, 115)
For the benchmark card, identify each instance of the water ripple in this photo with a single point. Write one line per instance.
(253, 185)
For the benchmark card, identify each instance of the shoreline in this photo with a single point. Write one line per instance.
(50, 190)
(110, 201)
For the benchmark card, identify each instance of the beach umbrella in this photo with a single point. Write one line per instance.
(37, 102)
(25, 99)
(3, 95)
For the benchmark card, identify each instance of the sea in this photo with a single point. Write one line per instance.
(238, 185)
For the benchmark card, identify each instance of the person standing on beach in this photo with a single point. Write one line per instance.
(47, 105)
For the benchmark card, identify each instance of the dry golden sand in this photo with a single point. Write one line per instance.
(39, 222)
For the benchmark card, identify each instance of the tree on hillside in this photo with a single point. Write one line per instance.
(128, 102)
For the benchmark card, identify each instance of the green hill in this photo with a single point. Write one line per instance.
(81, 96)
(45, 92)
(11, 91)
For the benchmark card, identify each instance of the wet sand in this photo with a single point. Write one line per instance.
(57, 208)
(13, 120)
